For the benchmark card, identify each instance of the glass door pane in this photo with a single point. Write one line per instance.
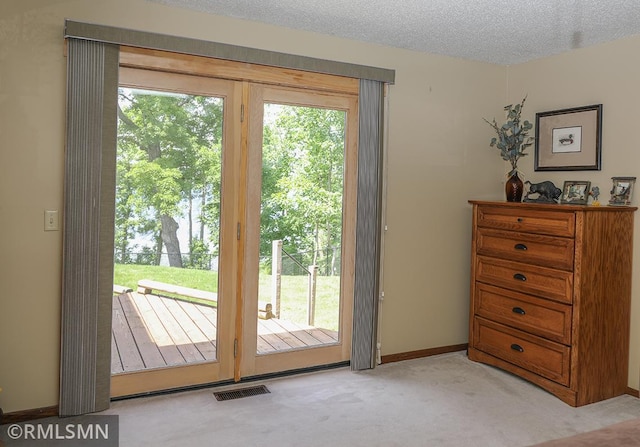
(167, 229)
(300, 227)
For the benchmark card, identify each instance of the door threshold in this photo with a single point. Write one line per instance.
(274, 375)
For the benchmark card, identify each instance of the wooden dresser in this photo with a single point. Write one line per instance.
(551, 295)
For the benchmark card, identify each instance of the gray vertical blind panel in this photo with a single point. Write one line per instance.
(367, 269)
(92, 78)
(108, 152)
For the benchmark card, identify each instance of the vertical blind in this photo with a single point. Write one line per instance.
(92, 83)
(368, 224)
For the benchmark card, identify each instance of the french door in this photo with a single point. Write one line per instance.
(301, 161)
(159, 342)
(286, 198)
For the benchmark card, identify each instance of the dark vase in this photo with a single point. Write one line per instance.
(514, 188)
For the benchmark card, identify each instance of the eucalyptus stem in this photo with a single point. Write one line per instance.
(512, 138)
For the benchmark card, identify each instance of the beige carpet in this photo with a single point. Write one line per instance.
(438, 401)
(444, 400)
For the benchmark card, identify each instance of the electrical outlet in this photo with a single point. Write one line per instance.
(51, 221)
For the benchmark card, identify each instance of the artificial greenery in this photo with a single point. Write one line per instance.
(513, 136)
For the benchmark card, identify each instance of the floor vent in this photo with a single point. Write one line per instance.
(242, 392)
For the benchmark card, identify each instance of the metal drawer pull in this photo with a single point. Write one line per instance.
(518, 310)
(516, 347)
(520, 276)
(520, 247)
(520, 219)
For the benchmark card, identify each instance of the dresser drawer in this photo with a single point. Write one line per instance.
(540, 356)
(535, 280)
(554, 223)
(537, 316)
(547, 251)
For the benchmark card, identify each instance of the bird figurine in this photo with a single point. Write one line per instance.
(595, 193)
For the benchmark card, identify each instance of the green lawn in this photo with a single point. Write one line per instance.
(293, 298)
(129, 274)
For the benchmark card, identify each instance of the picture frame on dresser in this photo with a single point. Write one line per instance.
(575, 192)
(569, 139)
(622, 190)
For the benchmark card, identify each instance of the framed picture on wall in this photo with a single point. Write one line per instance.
(569, 139)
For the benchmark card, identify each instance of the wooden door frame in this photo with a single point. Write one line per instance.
(244, 73)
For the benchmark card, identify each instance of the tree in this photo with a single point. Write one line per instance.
(169, 166)
(168, 152)
(303, 166)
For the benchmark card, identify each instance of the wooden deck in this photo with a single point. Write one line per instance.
(150, 331)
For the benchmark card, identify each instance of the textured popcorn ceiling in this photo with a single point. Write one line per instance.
(497, 31)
